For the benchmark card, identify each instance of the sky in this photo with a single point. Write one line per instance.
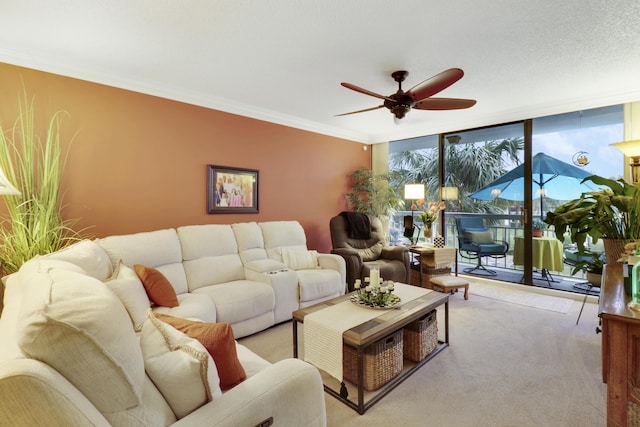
(604, 160)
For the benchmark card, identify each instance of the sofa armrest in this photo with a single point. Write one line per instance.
(284, 282)
(395, 252)
(34, 393)
(334, 262)
(353, 264)
(289, 391)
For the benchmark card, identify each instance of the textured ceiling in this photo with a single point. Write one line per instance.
(283, 60)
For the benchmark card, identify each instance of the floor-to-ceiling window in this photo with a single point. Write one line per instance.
(459, 168)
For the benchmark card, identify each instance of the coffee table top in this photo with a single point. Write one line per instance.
(381, 326)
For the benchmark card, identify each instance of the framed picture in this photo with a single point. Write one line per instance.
(232, 190)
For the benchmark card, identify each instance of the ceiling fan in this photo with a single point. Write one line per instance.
(419, 96)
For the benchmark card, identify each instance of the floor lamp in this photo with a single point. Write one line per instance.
(412, 192)
(6, 188)
(631, 149)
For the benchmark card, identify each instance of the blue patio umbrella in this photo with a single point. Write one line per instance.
(552, 178)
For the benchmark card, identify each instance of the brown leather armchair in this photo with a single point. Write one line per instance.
(360, 253)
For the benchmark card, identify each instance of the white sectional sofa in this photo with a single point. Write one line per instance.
(76, 347)
(240, 267)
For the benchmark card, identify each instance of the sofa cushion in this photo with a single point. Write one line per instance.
(297, 259)
(218, 339)
(158, 249)
(193, 306)
(240, 300)
(127, 286)
(179, 366)
(206, 263)
(73, 323)
(319, 283)
(88, 255)
(250, 241)
(157, 286)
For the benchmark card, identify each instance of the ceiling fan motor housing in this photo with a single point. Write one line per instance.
(401, 106)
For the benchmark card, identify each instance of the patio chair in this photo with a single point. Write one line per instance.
(475, 241)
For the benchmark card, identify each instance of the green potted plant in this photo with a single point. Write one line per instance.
(592, 263)
(612, 214)
(538, 227)
(33, 161)
(374, 194)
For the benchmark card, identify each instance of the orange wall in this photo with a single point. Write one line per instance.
(139, 162)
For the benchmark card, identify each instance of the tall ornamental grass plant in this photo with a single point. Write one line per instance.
(33, 164)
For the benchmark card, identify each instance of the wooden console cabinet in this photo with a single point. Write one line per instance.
(620, 351)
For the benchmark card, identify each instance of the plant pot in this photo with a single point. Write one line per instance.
(537, 233)
(613, 249)
(594, 278)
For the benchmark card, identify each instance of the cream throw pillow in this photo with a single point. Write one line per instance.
(127, 286)
(179, 366)
(297, 259)
(73, 323)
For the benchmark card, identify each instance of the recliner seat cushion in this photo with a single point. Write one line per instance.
(240, 300)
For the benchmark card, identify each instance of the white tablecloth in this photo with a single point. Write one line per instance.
(323, 329)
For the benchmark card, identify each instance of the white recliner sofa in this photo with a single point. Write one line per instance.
(76, 352)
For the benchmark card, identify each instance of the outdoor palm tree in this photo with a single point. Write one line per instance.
(468, 167)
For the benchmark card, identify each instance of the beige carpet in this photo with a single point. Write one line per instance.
(508, 365)
(515, 296)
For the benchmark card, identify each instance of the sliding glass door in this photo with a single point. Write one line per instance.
(505, 179)
(487, 219)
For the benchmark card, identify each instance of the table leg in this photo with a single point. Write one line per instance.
(446, 322)
(295, 338)
(360, 380)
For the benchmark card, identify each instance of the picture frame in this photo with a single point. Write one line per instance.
(232, 190)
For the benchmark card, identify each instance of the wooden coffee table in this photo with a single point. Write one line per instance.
(361, 336)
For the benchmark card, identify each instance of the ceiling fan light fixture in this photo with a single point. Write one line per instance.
(400, 110)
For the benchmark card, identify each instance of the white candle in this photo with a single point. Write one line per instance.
(374, 274)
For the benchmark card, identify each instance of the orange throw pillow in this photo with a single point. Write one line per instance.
(158, 288)
(218, 339)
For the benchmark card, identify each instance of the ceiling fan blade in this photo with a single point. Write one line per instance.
(365, 91)
(360, 111)
(435, 84)
(444, 104)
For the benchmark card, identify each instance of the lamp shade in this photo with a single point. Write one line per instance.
(628, 148)
(6, 188)
(449, 193)
(414, 191)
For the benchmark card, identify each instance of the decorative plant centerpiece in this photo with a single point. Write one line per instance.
(375, 295)
(429, 215)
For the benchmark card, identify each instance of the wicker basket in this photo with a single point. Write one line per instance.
(382, 361)
(421, 337)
